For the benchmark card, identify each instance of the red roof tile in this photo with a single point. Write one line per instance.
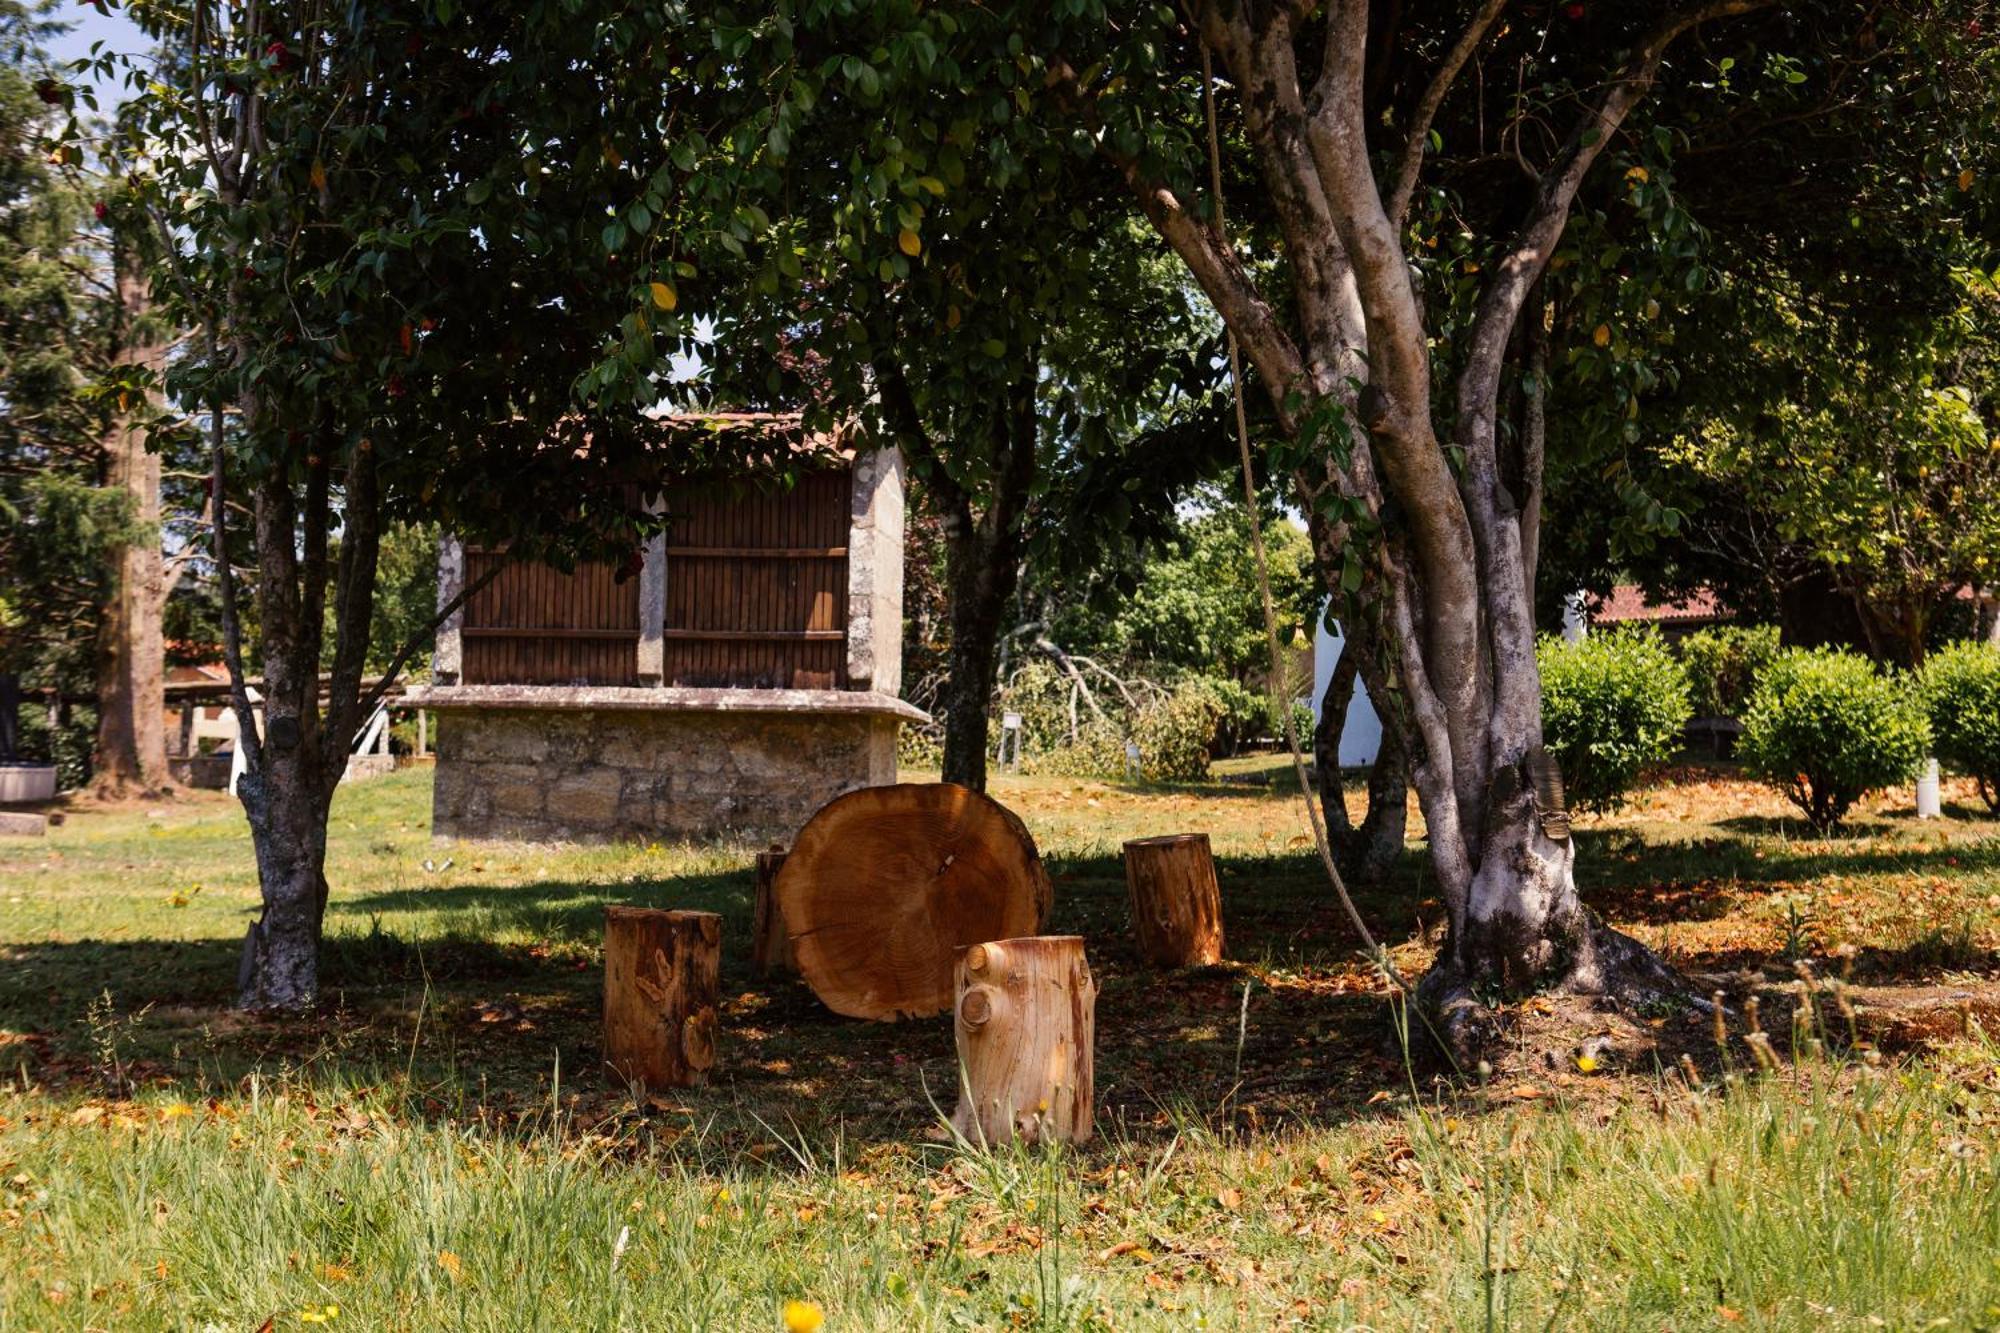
(1627, 602)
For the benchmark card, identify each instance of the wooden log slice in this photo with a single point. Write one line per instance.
(885, 885)
(1026, 1029)
(1176, 904)
(661, 973)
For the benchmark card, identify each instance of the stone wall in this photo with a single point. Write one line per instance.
(583, 775)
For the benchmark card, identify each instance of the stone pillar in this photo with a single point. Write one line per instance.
(447, 655)
(653, 607)
(875, 573)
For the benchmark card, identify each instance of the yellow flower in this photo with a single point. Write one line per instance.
(803, 1317)
(1637, 175)
(1587, 1063)
(451, 1264)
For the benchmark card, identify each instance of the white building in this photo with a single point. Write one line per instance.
(1362, 736)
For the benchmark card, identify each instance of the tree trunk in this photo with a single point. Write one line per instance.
(10, 717)
(1369, 851)
(982, 548)
(301, 754)
(661, 980)
(1176, 903)
(287, 812)
(1026, 1027)
(131, 744)
(1426, 519)
(982, 579)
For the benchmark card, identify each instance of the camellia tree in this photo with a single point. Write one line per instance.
(1411, 479)
(386, 227)
(915, 254)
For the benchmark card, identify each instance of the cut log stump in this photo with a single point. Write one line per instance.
(660, 983)
(770, 947)
(1027, 1016)
(884, 885)
(1176, 905)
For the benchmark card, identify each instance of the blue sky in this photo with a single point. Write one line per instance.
(87, 26)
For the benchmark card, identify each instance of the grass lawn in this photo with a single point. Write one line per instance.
(438, 1150)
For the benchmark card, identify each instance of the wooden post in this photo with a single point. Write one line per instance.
(1176, 906)
(660, 984)
(770, 946)
(1026, 1019)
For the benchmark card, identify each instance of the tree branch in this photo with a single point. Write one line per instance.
(1410, 163)
(409, 645)
(232, 630)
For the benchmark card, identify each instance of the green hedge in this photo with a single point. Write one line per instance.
(1611, 704)
(1826, 728)
(1723, 663)
(1962, 697)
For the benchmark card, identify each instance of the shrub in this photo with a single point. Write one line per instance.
(1243, 715)
(1962, 696)
(1611, 704)
(1826, 728)
(1175, 734)
(1723, 663)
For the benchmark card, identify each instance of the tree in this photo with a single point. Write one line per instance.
(80, 488)
(963, 283)
(1767, 377)
(385, 225)
(1400, 452)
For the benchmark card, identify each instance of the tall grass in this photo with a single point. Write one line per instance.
(1825, 1196)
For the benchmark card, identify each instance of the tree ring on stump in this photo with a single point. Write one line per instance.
(886, 885)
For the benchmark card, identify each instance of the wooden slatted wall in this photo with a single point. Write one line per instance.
(757, 585)
(534, 625)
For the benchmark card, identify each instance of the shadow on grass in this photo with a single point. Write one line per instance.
(479, 993)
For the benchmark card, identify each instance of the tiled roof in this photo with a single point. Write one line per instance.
(1627, 602)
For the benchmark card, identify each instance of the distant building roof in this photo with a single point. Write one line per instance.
(1628, 603)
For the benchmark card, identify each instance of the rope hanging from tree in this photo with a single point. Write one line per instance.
(1375, 952)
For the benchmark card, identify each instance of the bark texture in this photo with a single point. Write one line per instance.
(131, 744)
(661, 973)
(1176, 902)
(770, 945)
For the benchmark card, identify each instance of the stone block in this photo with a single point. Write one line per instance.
(20, 824)
(589, 797)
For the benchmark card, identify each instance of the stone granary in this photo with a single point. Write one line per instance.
(745, 677)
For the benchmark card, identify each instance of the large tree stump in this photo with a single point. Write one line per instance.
(1027, 1015)
(884, 885)
(1176, 906)
(660, 982)
(770, 946)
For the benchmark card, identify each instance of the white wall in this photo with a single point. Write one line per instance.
(1362, 736)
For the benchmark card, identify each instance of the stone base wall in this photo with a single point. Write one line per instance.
(583, 776)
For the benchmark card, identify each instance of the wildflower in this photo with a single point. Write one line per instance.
(451, 1264)
(319, 1314)
(803, 1317)
(1637, 175)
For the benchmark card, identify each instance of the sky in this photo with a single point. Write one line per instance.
(87, 26)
